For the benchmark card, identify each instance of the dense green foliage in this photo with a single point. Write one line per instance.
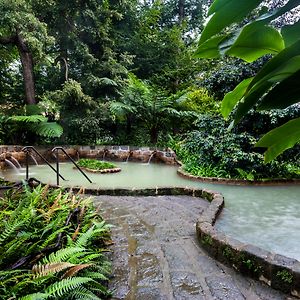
(95, 164)
(275, 86)
(213, 151)
(51, 246)
(124, 72)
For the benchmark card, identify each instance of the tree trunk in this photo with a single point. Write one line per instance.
(181, 12)
(153, 135)
(27, 67)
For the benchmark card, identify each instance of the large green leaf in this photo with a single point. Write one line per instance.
(280, 139)
(254, 41)
(250, 100)
(252, 96)
(224, 13)
(231, 98)
(276, 63)
(286, 93)
(291, 33)
(210, 48)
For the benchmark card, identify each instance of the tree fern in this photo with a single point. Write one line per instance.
(48, 129)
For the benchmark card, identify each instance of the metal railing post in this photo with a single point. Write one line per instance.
(27, 165)
(71, 159)
(26, 150)
(57, 167)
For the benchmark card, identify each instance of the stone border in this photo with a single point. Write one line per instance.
(233, 181)
(277, 271)
(103, 171)
(115, 153)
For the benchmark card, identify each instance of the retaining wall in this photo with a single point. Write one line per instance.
(117, 153)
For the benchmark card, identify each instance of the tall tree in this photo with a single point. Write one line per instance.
(21, 29)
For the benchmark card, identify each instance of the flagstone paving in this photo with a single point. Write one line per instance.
(156, 255)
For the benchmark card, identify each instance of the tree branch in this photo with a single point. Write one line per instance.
(5, 40)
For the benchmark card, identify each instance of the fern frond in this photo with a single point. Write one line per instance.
(63, 254)
(58, 289)
(40, 270)
(48, 129)
(29, 119)
(74, 270)
(95, 275)
(83, 293)
(35, 296)
(85, 237)
(10, 229)
(53, 236)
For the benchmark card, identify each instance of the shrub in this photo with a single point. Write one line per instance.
(213, 151)
(95, 164)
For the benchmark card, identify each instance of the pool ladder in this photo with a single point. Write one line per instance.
(27, 149)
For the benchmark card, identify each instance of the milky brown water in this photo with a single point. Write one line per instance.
(267, 216)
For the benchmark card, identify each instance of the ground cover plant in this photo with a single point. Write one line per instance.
(95, 164)
(52, 246)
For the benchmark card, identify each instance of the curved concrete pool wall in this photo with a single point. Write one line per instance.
(279, 272)
(118, 153)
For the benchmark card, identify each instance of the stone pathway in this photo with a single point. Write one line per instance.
(156, 255)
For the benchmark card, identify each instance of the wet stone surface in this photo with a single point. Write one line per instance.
(156, 255)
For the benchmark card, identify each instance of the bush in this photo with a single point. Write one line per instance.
(200, 101)
(95, 164)
(213, 151)
(51, 246)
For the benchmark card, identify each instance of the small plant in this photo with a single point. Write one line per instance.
(95, 164)
(285, 276)
(207, 240)
(227, 252)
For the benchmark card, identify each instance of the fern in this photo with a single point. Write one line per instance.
(44, 270)
(83, 293)
(35, 296)
(10, 229)
(29, 119)
(48, 129)
(60, 288)
(63, 254)
(75, 269)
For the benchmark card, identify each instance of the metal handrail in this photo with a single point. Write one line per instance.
(71, 159)
(26, 150)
